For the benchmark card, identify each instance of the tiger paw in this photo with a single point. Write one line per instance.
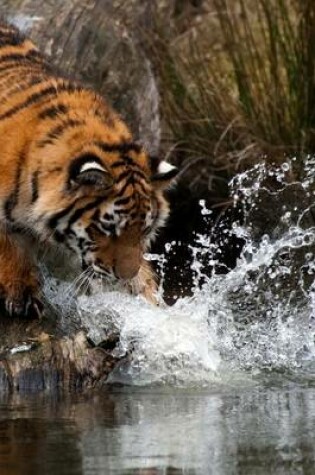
(19, 283)
(19, 293)
(20, 300)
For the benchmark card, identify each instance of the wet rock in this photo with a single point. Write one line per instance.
(69, 348)
(34, 356)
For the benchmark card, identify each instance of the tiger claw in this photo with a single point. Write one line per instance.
(24, 305)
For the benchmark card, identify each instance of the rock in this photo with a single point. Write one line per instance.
(35, 356)
(89, 41)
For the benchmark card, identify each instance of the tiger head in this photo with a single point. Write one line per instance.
(97, 192)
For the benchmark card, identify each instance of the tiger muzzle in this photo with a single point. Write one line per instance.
(128, 264)
(122, 256)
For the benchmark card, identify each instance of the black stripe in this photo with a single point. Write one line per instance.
(10, 65)
(21, 65)
(59, 237)
(119, 163)
(146, 208)
(100, 264)
(128, 160)
(58, 131)
(32, 54)
(16, 73)
(128, 182)
(29, 81)
(13, 199)
(123, 175)
(80, 243)
(135, 172)
(53, 220)
(122, 147)
(35, 186)
(122, 201)
(134, 215)
(140, 185)
(139, 174)
(53, 111)
(90, 228)
(37, 97)
(24, 84)
(79, 212)
(11, 38)
(96, 215)
(125, 211)
(107, 228)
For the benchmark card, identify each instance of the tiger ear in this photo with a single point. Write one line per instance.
(163, 172)
(88, 171)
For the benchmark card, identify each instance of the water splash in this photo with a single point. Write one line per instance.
(259, 317)
(172, 345)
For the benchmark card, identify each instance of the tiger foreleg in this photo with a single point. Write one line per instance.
(19, 283)
(145, 283)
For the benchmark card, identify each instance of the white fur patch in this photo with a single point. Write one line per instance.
(165, 168)
(91, 166)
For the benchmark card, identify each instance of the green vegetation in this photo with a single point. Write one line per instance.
(238, 85)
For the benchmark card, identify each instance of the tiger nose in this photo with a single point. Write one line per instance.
(127, 267)
(126, 270)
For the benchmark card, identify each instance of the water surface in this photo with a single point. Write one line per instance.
(259, 429)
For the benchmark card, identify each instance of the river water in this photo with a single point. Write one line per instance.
(263, 428)
(222, 382)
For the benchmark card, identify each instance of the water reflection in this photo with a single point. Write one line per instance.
(160, 432)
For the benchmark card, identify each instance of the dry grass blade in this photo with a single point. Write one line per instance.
(249, 91)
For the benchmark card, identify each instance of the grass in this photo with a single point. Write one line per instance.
(238, 87)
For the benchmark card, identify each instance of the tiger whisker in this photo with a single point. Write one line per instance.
(75, 286)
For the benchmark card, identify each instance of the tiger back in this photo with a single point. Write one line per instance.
(71, 176)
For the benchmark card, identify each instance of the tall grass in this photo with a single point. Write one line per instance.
(241, 86)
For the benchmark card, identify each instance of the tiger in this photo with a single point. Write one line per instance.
(72, 177)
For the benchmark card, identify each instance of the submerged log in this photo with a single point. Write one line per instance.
(86, 41)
